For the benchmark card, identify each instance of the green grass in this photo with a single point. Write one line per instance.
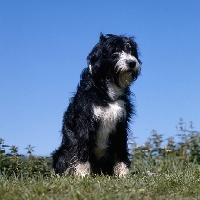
(179, 182)
(160, 169)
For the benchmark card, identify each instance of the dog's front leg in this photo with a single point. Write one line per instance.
(82, 165)
(82, 169)
(122, 162)
(121, 169)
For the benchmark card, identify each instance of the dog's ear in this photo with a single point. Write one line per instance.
(102, 38)
(94, 54)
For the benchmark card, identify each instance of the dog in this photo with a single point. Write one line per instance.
(96, 124)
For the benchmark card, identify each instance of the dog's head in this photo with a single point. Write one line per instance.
(115, 59)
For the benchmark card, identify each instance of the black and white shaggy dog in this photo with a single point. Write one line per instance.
(95, 125)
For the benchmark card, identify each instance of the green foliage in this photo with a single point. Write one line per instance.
(15, 163)
(160, 153)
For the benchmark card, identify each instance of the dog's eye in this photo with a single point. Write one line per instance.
(128, 46)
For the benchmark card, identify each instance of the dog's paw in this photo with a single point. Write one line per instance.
(121, 169)
(82, 169)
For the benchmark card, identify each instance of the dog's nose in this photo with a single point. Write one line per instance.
(131, 63)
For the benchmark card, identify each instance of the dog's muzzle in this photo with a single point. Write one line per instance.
(127, 62)
(128, 69)
(131, 64)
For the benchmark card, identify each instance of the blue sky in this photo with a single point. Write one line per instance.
(43, 49)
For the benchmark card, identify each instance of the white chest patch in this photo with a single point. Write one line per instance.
(113, 91)
(108, 117)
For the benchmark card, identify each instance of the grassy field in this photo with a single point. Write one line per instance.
(161, 169)
(179, 182)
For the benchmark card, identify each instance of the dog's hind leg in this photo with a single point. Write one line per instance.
(73, 160)
(60, 165)
(65, 164)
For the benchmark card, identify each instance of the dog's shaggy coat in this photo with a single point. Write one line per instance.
(95, 125)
